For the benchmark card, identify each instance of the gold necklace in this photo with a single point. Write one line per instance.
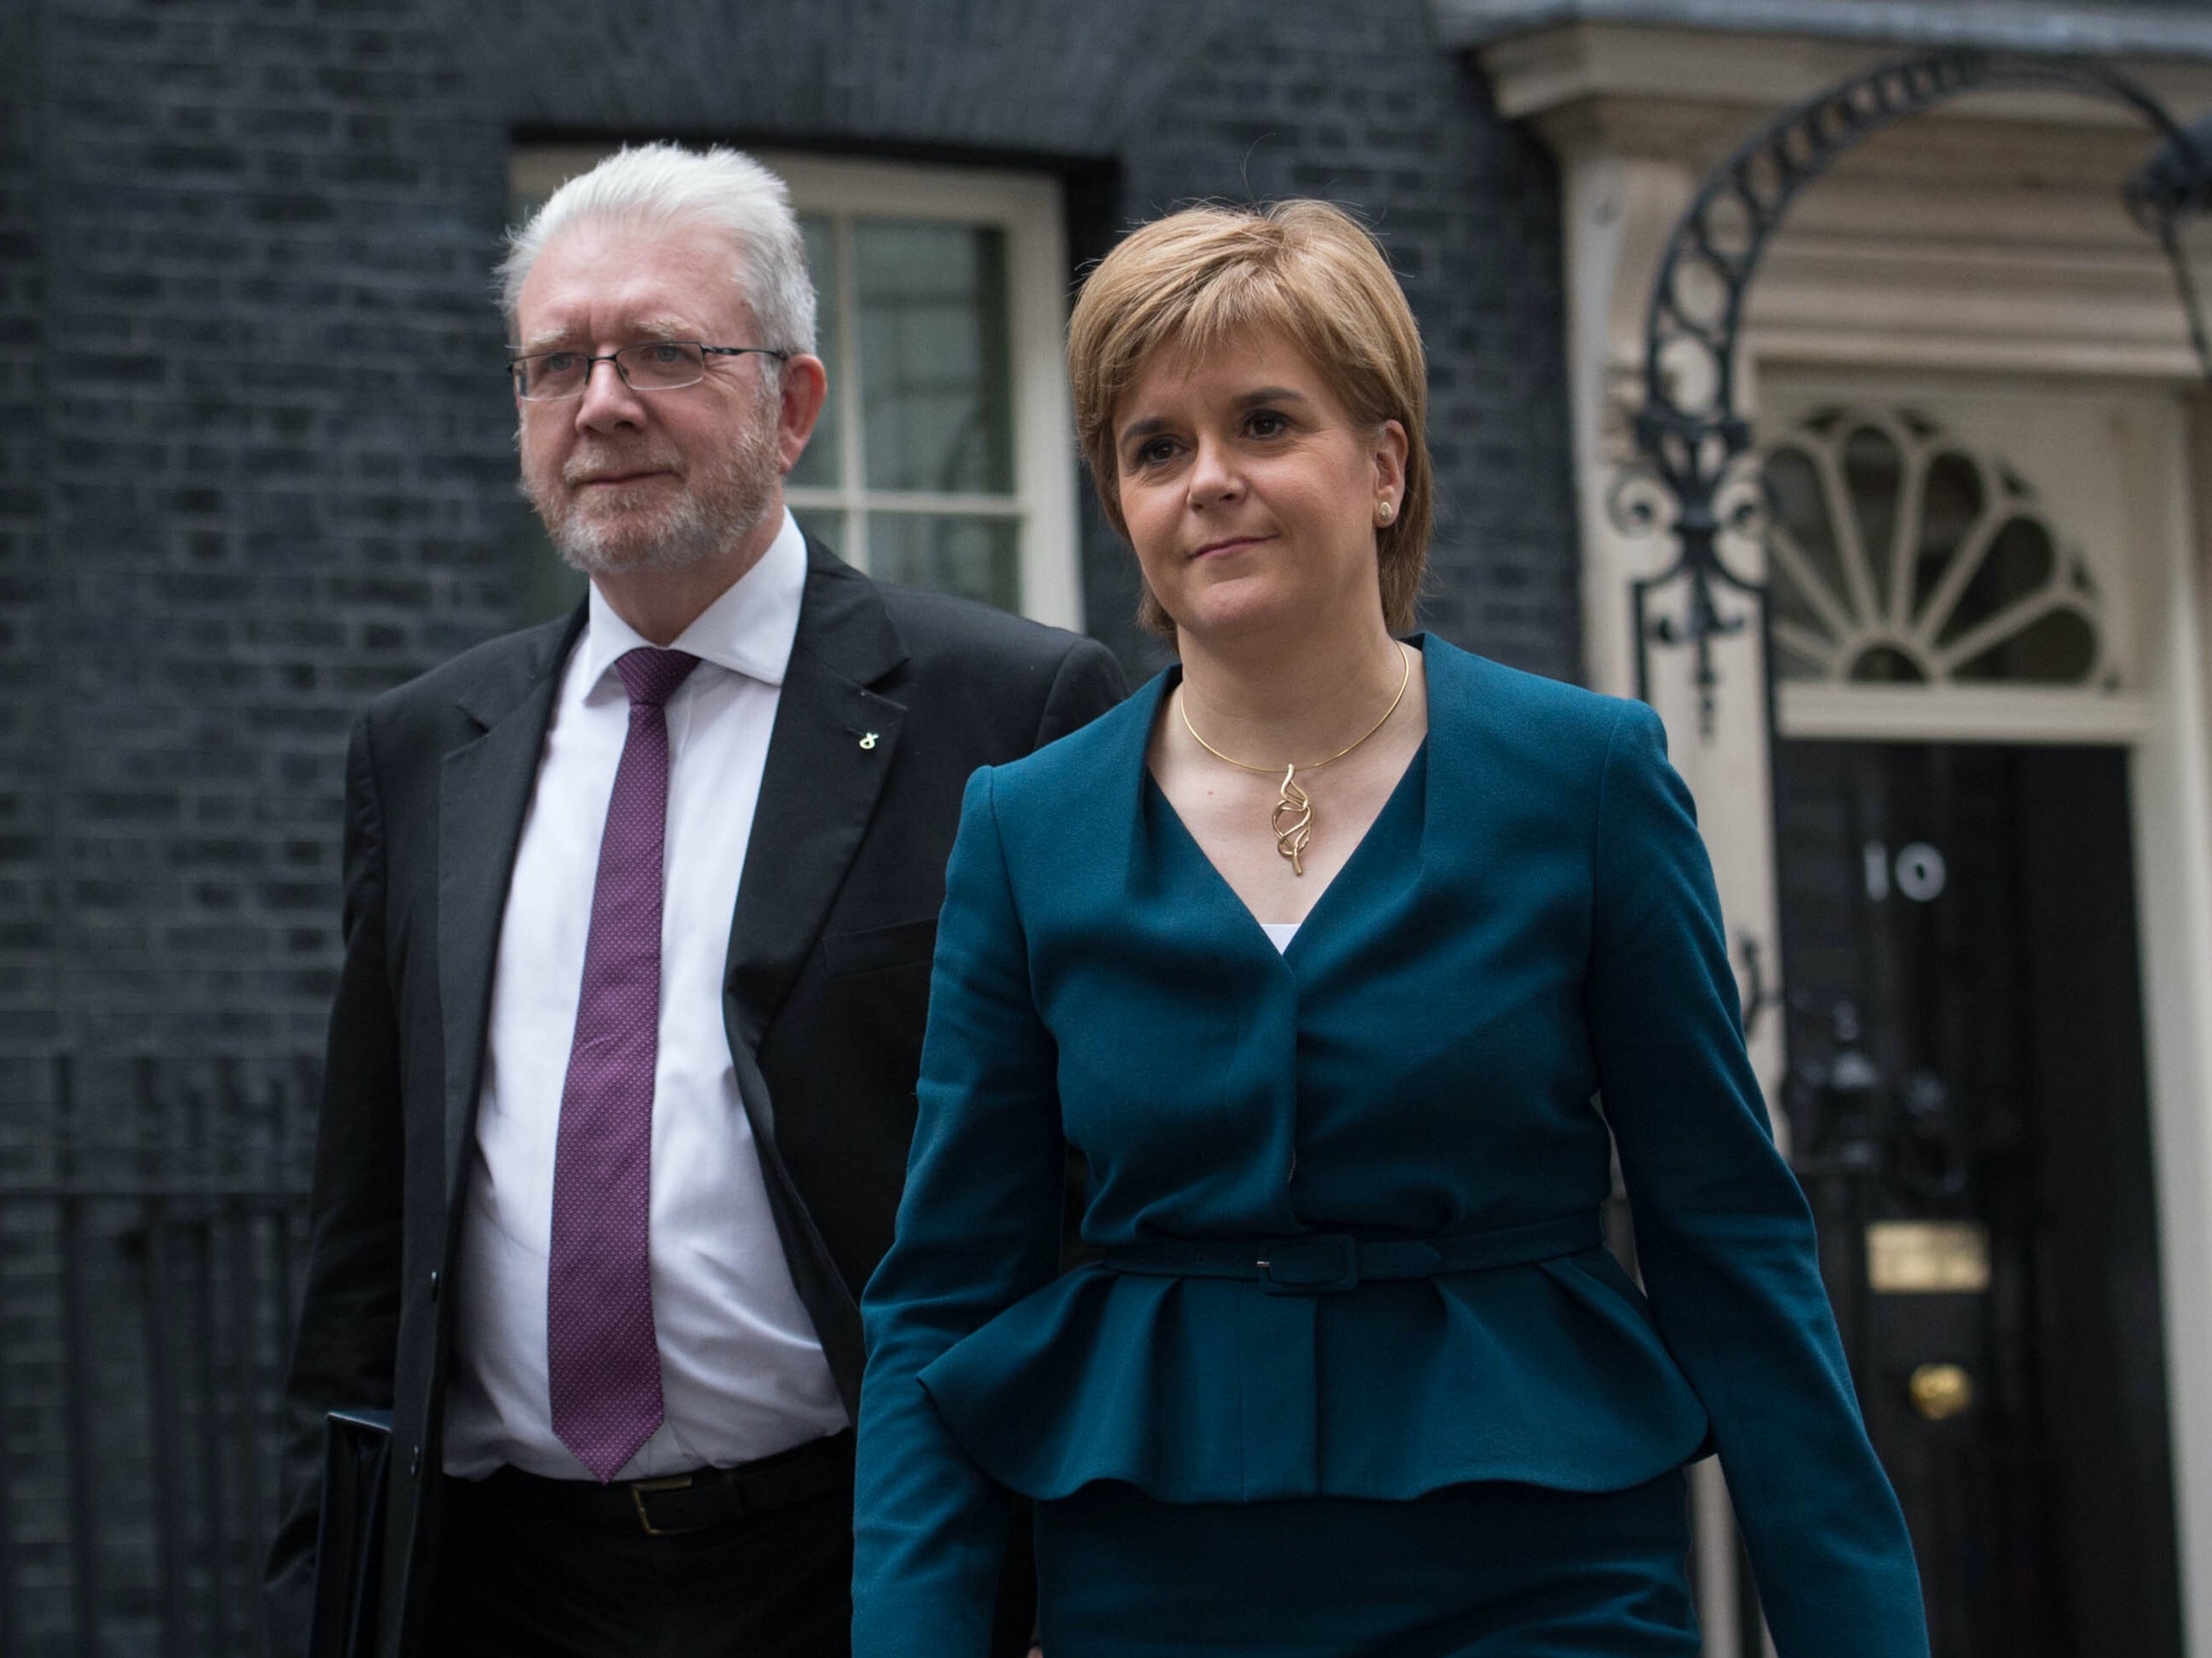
(1292, 820)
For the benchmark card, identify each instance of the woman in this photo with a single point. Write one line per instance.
(1318, 950)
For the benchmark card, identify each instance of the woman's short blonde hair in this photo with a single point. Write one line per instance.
(1197, 279)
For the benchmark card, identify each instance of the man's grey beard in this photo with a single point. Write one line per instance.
(718, 507)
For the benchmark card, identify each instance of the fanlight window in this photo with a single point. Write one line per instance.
(1898, 556)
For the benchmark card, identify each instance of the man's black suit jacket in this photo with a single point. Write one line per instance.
(893, 697)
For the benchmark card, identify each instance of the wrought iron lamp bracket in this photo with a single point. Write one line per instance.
(1692, 443)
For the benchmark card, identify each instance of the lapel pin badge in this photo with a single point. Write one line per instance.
(868, 741)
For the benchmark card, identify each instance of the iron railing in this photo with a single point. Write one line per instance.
(153, 1225)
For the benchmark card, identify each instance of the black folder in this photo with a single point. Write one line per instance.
(349, 1541)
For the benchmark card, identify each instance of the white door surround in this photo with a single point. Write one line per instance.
(1975, 260)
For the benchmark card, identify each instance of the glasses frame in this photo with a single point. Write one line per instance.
(514, 367)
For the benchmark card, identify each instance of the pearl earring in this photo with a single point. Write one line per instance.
(1384, 512)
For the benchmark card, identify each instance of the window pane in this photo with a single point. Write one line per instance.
(819, 463)
(2020, 562)
(935, 386)
(550, 587)
(976, 557)
(2059, 648)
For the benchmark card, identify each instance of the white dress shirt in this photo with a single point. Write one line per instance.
(742, 1374)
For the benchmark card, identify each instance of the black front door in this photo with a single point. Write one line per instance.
(1968, 1112)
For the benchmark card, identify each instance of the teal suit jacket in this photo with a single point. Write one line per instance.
(1525, 948)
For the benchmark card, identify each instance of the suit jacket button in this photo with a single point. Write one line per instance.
(434, 1287)
(415, 1462)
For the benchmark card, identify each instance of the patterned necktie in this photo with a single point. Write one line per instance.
(602, 1358)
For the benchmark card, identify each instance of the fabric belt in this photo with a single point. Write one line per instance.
(1327, 1263)
(697, 1501)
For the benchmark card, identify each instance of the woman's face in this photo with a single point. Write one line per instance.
(1251, 494)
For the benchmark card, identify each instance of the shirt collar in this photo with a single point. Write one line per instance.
(747, 631)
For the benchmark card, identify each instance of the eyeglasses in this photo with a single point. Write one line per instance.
(650, 366)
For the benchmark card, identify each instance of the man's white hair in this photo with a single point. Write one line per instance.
(655, 186)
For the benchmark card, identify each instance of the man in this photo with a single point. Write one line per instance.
(639, 908)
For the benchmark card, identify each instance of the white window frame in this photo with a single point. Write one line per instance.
(1026, 209)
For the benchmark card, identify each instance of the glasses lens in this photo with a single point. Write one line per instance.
(550, 375)
(662, 365)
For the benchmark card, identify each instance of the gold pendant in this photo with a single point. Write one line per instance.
(1291, 835)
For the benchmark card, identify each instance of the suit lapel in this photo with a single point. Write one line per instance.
(1119, 837)
(827, 756)
(1456, 784)
(484, 792)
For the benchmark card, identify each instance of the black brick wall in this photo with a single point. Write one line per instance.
(256, 465)
(26, 761)
(268, 490)
(267, 470)
(1358, 105)
(1236, 98)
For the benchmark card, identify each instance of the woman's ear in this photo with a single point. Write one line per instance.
(1390, 450)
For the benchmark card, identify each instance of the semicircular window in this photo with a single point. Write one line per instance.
(1897, 555)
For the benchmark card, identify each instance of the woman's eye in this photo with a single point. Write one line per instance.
(1156, 452)
(1266, 424)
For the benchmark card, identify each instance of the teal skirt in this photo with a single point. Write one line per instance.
(1470, 1571)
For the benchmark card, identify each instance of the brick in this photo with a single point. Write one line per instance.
(243, 220)
(250, 477)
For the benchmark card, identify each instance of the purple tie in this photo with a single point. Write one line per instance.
(603, 1358)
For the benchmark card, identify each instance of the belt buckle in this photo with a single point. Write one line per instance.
(639, 1488)
(1320, 1266)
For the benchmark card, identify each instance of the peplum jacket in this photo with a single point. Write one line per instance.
(1525, 948)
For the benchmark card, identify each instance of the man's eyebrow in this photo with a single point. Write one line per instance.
(666, 326)
(1151, 423)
